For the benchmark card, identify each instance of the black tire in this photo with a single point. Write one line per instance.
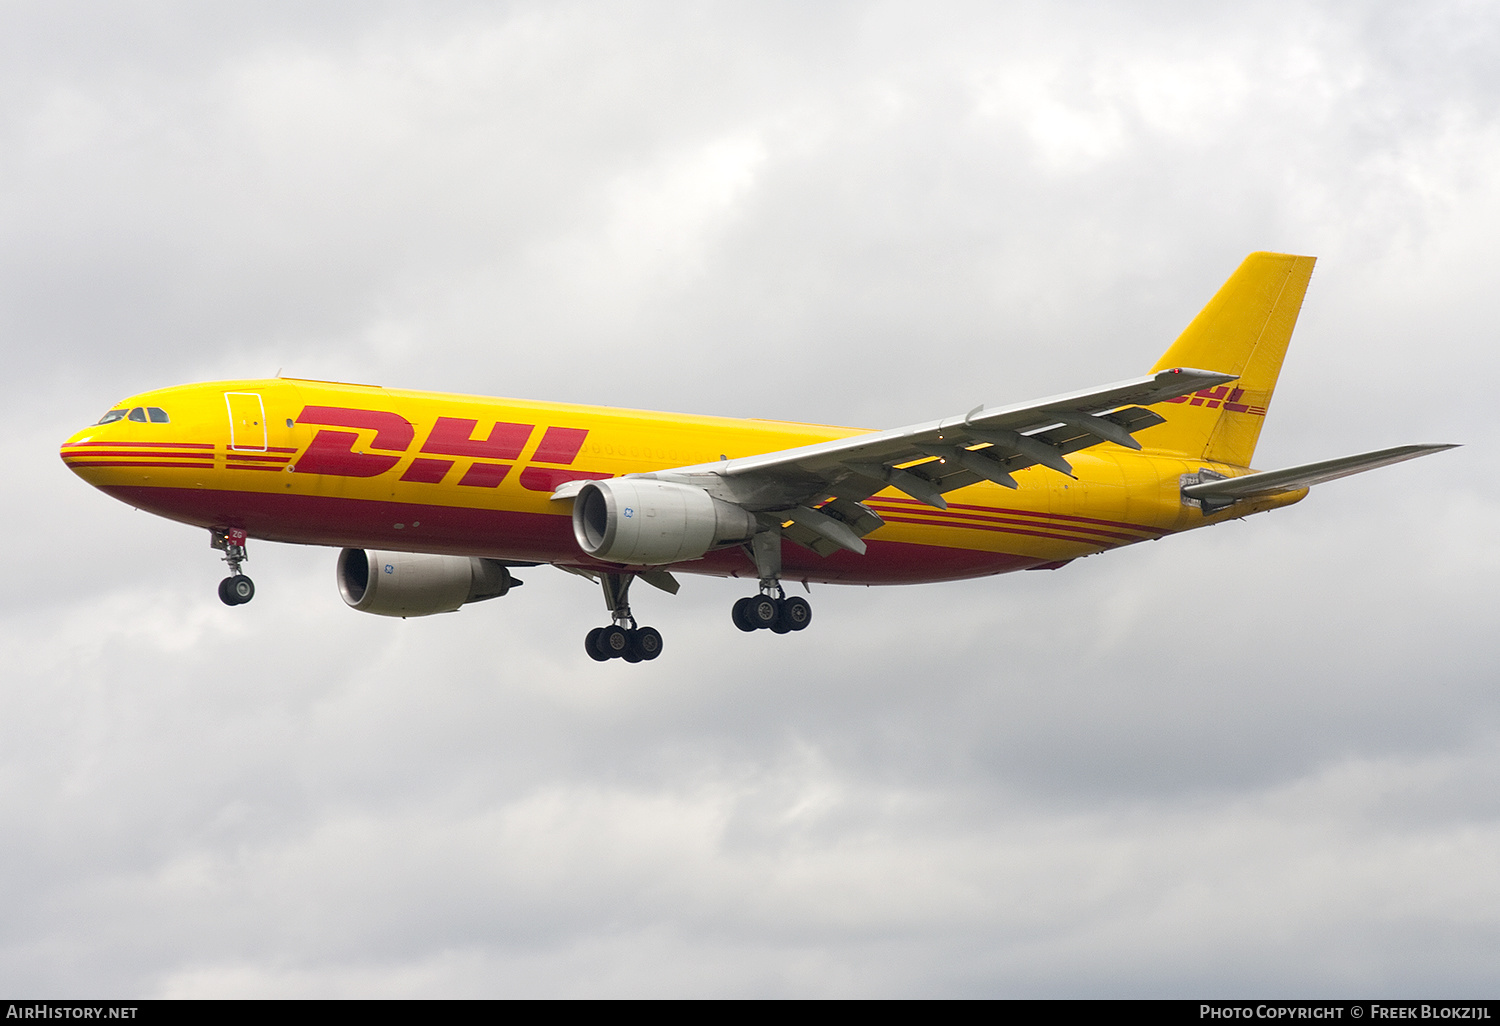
(646, 643)
(632, 653)
(763, 611)
(613, 641)
(782, 625)
(591, 645)
(741, 614)
(796, 613)
(236, 590)
(242, 588)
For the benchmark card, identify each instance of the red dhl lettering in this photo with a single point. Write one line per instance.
(425, 471)
(452, 436)
(1223, 395)
(332, 452)
(560, 445)
(485, 475)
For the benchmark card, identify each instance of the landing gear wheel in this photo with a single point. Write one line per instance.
(631, 653)
(766, 612)
(763, 611)
(741, 615)
(646, 643)
(796, 613)
(633, 646)
(613, 641)
(592, 647)
(236, 590)
(782, 624)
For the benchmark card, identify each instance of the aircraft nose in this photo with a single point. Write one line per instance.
(73, 448)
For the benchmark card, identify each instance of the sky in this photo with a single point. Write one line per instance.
(1258, 759)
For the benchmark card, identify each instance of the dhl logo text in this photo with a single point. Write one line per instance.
(333, 453)
(1213, 398)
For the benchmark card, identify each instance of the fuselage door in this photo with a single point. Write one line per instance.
(247, 421)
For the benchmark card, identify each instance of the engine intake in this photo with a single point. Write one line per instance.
(417, 584)
(641, 522)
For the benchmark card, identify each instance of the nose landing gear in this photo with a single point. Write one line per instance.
(236, 589)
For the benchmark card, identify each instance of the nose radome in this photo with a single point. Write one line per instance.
(73, 450)
(75, 439)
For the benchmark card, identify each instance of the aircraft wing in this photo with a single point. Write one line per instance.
(1271, 481)
(790, 486)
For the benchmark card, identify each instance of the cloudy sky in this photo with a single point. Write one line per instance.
(1259, 759)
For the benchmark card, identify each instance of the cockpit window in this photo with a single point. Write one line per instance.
(141, 415)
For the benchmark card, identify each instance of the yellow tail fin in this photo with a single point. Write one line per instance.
(1244, 330)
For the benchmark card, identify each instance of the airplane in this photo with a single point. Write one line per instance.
(434, 499)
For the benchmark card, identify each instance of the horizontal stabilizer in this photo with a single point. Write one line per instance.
(1273, 481)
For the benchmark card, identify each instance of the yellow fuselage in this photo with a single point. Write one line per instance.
(366, 467)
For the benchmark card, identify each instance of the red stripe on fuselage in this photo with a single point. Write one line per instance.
(73, 457)
(142, 445)
(530, 537)
(138, 463)
(1054, 535)
(980, 522)
(246, 458)
(1027, 512)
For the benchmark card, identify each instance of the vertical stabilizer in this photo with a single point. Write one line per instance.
(1244, 330)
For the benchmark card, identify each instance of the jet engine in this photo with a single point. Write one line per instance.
(641, 522)
(417, 584)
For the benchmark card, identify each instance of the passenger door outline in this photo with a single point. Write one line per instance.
(247, 421)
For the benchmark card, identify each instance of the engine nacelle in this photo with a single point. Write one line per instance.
(417, 584)
(642, 522)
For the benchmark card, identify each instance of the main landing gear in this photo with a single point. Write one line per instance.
(771, 609)
(774, 612)
(236, 589)
(622, 639)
